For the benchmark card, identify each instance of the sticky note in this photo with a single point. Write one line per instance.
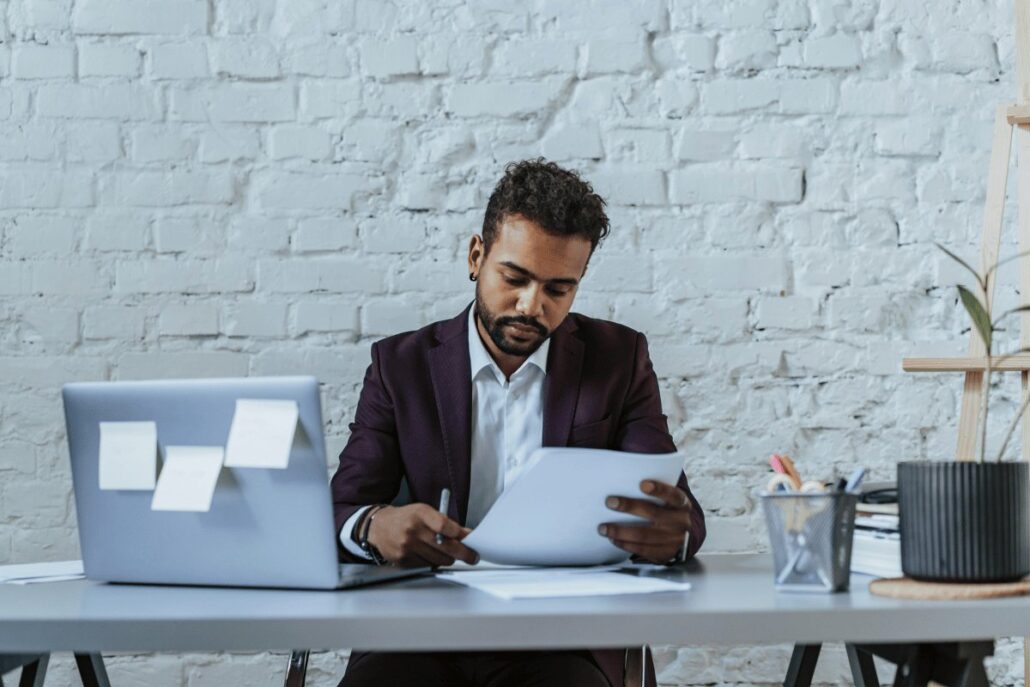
(128, 455)
(261, 434)
(188, 478)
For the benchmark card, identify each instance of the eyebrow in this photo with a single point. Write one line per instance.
(523, 271)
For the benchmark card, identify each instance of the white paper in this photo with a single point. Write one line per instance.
(31, 573)
(261, 434)
(128, 455)
(188, 478)
(543, 583)
(46, 578)
(551, 514)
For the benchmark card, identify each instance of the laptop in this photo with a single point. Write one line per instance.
(265, 527)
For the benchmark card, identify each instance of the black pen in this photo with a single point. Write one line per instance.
(445, 504)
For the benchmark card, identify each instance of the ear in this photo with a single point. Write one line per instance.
(476, 254)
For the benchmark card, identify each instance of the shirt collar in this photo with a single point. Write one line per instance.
(480, 357)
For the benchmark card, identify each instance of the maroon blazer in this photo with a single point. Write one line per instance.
(413, 421)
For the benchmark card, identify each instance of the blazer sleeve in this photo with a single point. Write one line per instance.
(370, 469)
(644, 428)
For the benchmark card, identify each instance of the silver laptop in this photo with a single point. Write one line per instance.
(265, 528)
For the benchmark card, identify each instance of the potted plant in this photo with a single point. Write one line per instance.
(969, 520)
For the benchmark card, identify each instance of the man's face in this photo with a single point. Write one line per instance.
(526, 283)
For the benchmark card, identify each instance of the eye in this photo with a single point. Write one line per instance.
(514, 281)
(556, 291)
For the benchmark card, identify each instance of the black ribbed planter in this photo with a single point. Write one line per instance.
(964, 521)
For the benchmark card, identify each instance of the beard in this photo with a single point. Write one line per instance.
(499, 332)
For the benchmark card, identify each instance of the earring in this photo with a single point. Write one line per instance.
(472, 277)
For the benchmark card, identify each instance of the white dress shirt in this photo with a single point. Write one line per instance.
(507, 424)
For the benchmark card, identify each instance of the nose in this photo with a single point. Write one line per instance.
(531, 302)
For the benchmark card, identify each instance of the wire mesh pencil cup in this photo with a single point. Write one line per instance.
(810, 534)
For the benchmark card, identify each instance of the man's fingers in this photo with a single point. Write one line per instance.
(624, 504)
(653, 553)
(455, 549)
(670, 494)
(440, 523)
(432, 555)
(641, 535)
(451, 548)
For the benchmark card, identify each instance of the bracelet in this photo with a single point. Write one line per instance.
(365, 526)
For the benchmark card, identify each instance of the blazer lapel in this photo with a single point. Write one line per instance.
(451, 373)
(561, 386)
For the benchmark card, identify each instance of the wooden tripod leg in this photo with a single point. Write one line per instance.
(994, 210)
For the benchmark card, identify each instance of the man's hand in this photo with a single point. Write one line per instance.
(406, 536)
(659, 539)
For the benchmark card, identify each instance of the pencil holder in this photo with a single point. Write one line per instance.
(810, 536)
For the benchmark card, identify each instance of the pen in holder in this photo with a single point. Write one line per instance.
(810, 534)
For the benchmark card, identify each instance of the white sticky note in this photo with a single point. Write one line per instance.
(261, 434)
(188, 478)
(128, 455)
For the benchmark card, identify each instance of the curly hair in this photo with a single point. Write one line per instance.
(555, 198)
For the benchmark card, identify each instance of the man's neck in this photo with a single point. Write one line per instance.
(507, 363)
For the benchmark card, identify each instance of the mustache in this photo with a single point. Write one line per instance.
(525, 321)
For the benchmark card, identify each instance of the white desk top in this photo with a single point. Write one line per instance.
(732, 602)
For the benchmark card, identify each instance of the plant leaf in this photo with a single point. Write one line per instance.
(979, 316)
(982, 281)
(1022, 308)
(1010, 258)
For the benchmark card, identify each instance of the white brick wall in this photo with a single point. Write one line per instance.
(238, 187)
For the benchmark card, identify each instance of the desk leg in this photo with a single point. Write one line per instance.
(953, 664)
(297, 669)
(863, 670)
(802, 665)
(32, 674)
(92, 670)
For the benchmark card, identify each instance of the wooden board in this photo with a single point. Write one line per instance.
(997, 178)
(907, 588)
(1015, 363)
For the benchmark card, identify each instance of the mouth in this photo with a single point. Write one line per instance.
(522, 330)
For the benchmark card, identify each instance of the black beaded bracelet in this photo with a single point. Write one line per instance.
(368, 547)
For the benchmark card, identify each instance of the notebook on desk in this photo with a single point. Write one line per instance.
(263, 527)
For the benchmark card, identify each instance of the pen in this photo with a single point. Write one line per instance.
(445, 504)
(855, 479)
(791, 471)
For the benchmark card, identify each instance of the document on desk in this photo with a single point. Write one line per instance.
(188, 478)
(128, 455)
(538, 583)
(551, 514)
(261, 434)
(33, 573)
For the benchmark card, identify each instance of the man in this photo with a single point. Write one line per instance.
(460, 404)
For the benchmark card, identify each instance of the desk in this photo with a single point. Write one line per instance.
(732, 602)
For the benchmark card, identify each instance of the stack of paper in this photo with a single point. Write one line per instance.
(31, 573)
(535, 583)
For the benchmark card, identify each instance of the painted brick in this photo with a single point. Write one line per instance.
(43, 61)
(321, 275)
(165, 275)
(503, 99)
(390, 58)
(110, 101)
(272, 102)
(108, 59)
(252, 58)
(256, 319)
(308, 142)
(115, 17)
(156, 189)
(317, 234)
(178, 61)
